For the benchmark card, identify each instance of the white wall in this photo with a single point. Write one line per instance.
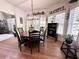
(6, 7)
(10, 9)
(19, 13)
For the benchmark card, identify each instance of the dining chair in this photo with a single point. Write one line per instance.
(20, 30)
(34, 41)
(42, 36)
(42, 28)
(31, 28)
(21, 40)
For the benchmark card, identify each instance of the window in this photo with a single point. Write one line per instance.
(59, 18)
(43, 22)
(74, 22)
(28, 24)
(51, 19)
(37, 23)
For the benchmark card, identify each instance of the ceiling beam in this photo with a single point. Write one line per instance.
(21, 2)
(14, 5)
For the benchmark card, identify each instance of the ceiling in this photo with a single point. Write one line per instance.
(37, 4)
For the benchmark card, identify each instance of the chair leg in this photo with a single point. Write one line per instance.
(43, 43)
(39, 47)
(56, 39)
(31, 50)
(62, 45)
(76, 54)
(20, 47)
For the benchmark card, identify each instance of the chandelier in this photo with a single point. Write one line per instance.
(35, 13)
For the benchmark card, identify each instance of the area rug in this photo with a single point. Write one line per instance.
(5, 36)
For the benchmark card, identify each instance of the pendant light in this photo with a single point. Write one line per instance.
(32, 16)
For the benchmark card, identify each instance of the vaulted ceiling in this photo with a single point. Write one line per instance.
(38, 4)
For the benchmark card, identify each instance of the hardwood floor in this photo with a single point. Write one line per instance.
(9, 50)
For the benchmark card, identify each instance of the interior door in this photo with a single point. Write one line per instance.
(11, 23)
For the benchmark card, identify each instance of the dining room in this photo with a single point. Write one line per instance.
(39, 29)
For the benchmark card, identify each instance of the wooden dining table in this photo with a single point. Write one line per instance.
(26, 34)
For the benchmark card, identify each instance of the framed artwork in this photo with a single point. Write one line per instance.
(21, 20)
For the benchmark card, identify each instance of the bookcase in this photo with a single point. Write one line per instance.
(52, 29)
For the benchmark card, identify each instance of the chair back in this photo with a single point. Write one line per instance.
(18, 35)
(31, 28)
(42, 34)
(41, 28)
(35, 35)
(34, 40)
(34, 32)
(20, 30)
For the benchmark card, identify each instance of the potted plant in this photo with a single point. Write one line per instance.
(69, 39)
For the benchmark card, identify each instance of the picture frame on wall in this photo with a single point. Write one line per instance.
(21, 20)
